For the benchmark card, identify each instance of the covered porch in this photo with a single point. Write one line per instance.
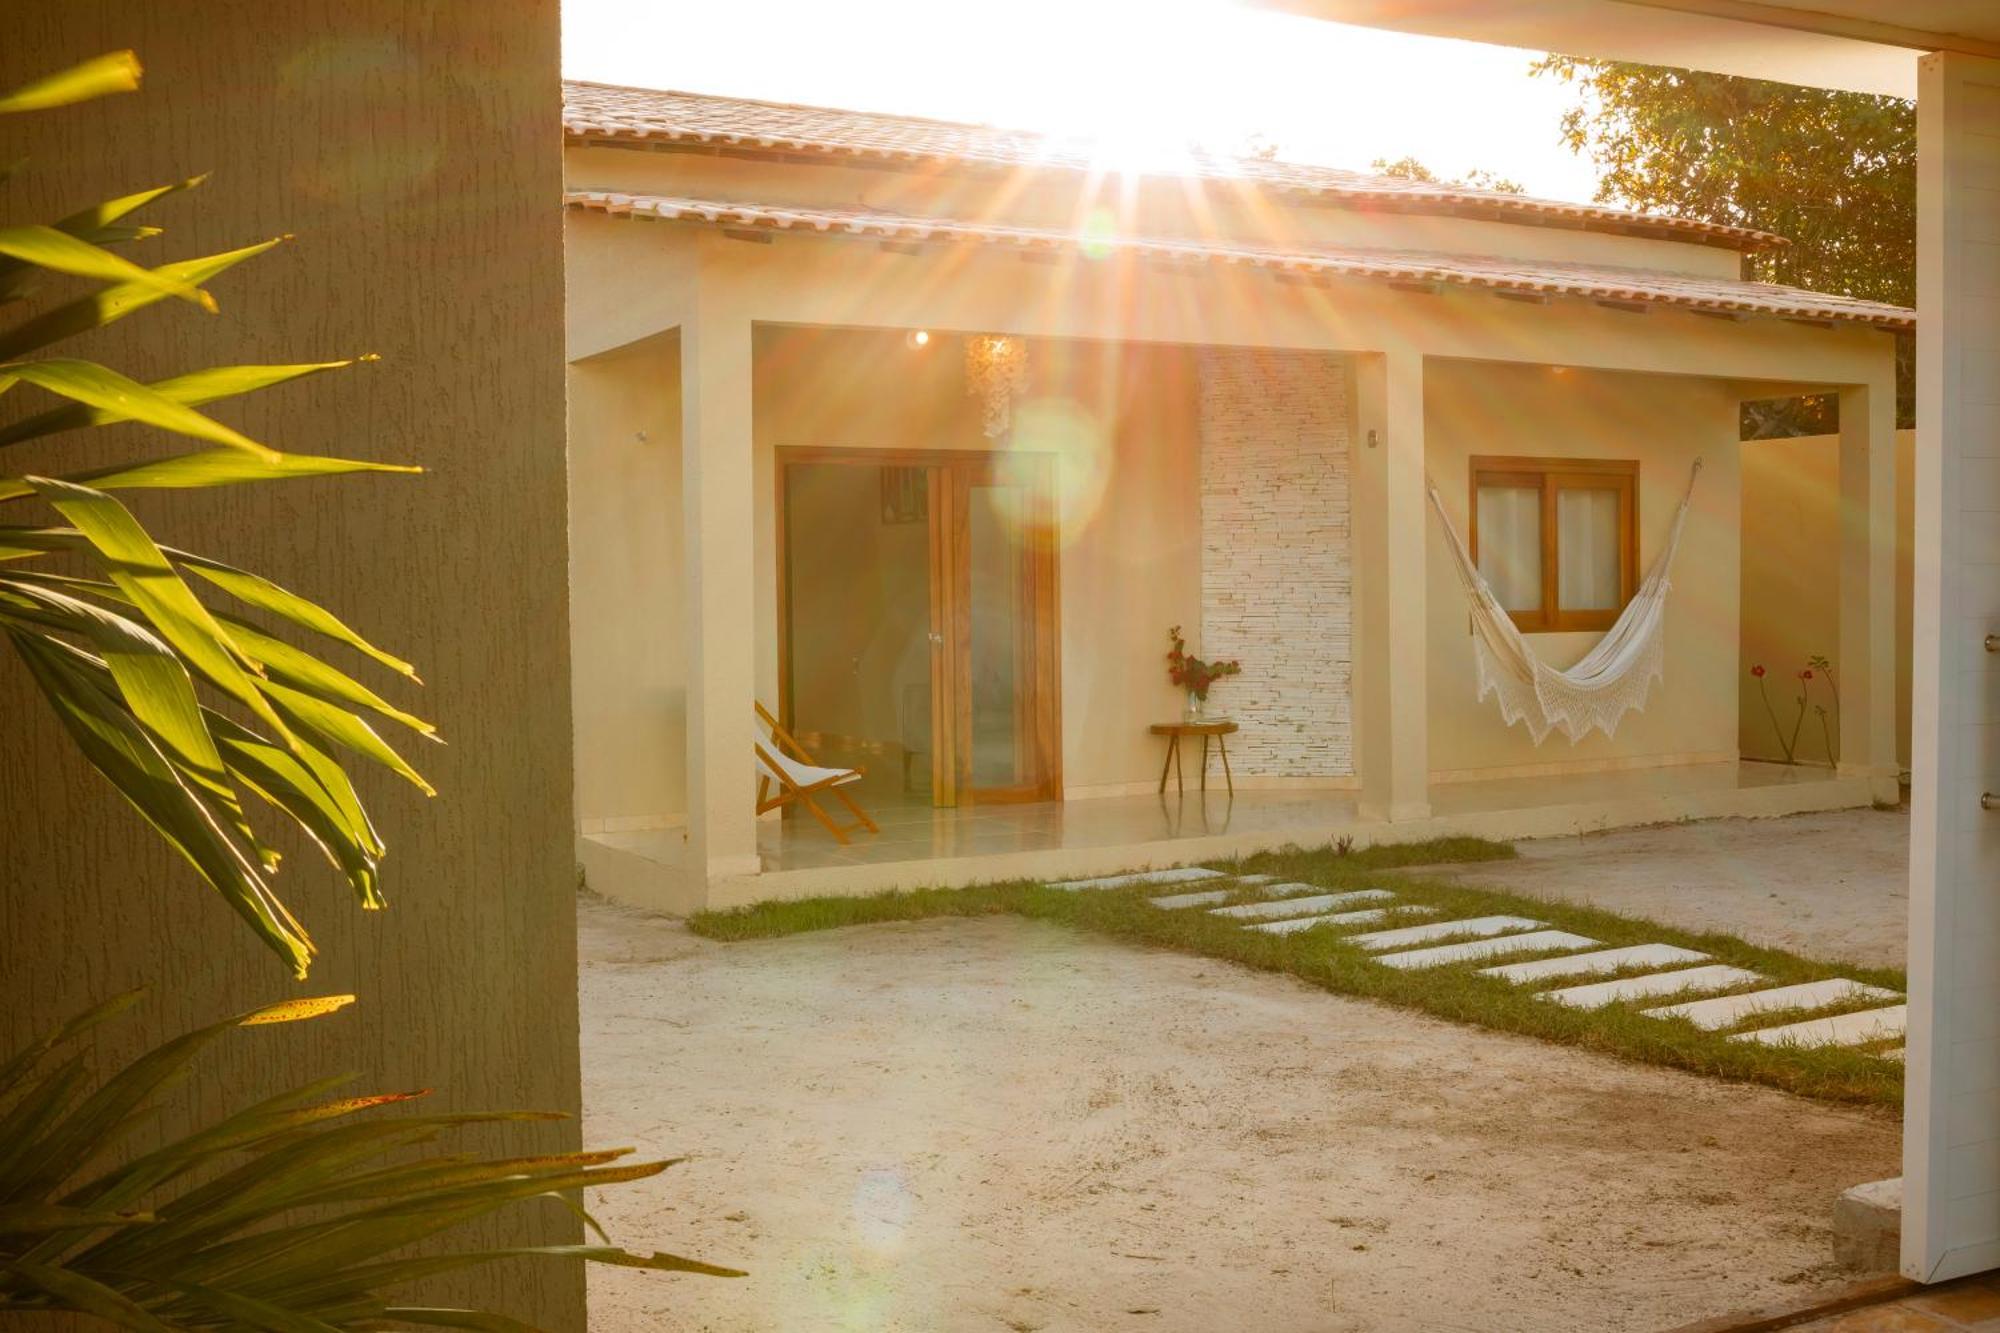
(710, 352)
(924, 847)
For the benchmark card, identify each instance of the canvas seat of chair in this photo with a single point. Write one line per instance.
(797, 778)
(778, 766)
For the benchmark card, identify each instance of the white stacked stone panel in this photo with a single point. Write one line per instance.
(1277, 585)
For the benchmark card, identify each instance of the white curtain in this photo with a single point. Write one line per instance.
(1586, 549)
(1510, 544)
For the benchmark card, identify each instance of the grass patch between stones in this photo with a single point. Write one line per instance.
(1454, 992)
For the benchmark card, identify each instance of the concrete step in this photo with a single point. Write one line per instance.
(1179, 875)
(1841, 1030)
(1322, 902)
(1439, 955)
(1477, 925)
(1173, 902)
(1362, 918)
(1729, 1010)
(1604, 960)
(1598, 994)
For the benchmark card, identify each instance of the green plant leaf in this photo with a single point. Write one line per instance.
(59, 252)
(248, 1310)
(156, 688)
(303, 712)
(102, 387)
(142, 572)
(115, 72)
(91, 221)
(207, 467)
(333, 819)
(258, 591)
(444, 1317)
(307, 674)
(118, 747)
(23, 1219)
(24, 1061)
(107, 305)
(78, 1292)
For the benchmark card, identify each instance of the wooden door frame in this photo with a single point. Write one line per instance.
(1044, 604)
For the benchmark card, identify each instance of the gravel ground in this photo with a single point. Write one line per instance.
(999, 1124)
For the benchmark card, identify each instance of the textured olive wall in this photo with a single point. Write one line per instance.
(414, 150)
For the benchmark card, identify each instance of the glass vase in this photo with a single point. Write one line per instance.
(1197, 708)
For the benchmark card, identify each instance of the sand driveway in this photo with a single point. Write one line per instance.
(1005, 1125)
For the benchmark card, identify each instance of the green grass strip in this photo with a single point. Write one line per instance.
(1455, 992)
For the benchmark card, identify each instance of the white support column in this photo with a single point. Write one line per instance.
(717, 496)
(1951, 1134)
(1866, 663)
(1390, 575)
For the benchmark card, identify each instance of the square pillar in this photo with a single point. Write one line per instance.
(717, 498)
(1866, 662)
(1951, 1141)
(1391, 539)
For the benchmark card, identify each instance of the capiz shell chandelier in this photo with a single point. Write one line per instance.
(996, 368)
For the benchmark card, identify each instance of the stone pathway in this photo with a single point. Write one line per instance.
(1730, 1000)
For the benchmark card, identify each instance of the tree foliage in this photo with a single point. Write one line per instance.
(1834, 172)
(1479, 178)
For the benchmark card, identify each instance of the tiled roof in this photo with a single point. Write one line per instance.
(1532, 278)
(600, 112)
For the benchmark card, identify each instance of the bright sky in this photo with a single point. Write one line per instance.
(1151, 75)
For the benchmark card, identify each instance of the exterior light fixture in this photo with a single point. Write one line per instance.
(996, 368)
(917, 339)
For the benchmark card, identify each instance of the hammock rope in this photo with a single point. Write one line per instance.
(1612, 680)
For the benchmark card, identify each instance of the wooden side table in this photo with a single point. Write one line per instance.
(1173, 731)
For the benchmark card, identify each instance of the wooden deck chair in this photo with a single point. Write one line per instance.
(786, 773)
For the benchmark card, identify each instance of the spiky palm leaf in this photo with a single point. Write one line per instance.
(296, 1213)
(125, 655)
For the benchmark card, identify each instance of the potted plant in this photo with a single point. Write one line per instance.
(1194, 675)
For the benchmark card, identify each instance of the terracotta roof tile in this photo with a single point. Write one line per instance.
(599, 112)
(1512, 276)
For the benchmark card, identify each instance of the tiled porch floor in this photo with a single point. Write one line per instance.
(919, 845)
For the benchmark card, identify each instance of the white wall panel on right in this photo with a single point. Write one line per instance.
(1951, 1168)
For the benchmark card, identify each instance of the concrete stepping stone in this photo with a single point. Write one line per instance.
(1361, 918)
(1175, 901)
(1893, 1053)
(1323, 902)
(1477, 925)
(1604, 960)
(1729, 1010)
(1840, 1030)
(1256, 879)
(1598, 994)
(1182, 875)
(1439, 955)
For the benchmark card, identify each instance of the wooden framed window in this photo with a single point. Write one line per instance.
(1557, 538)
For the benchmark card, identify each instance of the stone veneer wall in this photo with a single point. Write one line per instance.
(1276, 583)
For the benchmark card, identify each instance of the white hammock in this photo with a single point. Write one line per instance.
(1613, 679)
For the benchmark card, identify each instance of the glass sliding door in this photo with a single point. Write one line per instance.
(960, 610)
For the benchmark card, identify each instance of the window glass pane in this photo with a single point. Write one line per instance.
(1587, 549)
(1510, 545)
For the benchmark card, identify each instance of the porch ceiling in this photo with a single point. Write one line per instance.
(1507, 277)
